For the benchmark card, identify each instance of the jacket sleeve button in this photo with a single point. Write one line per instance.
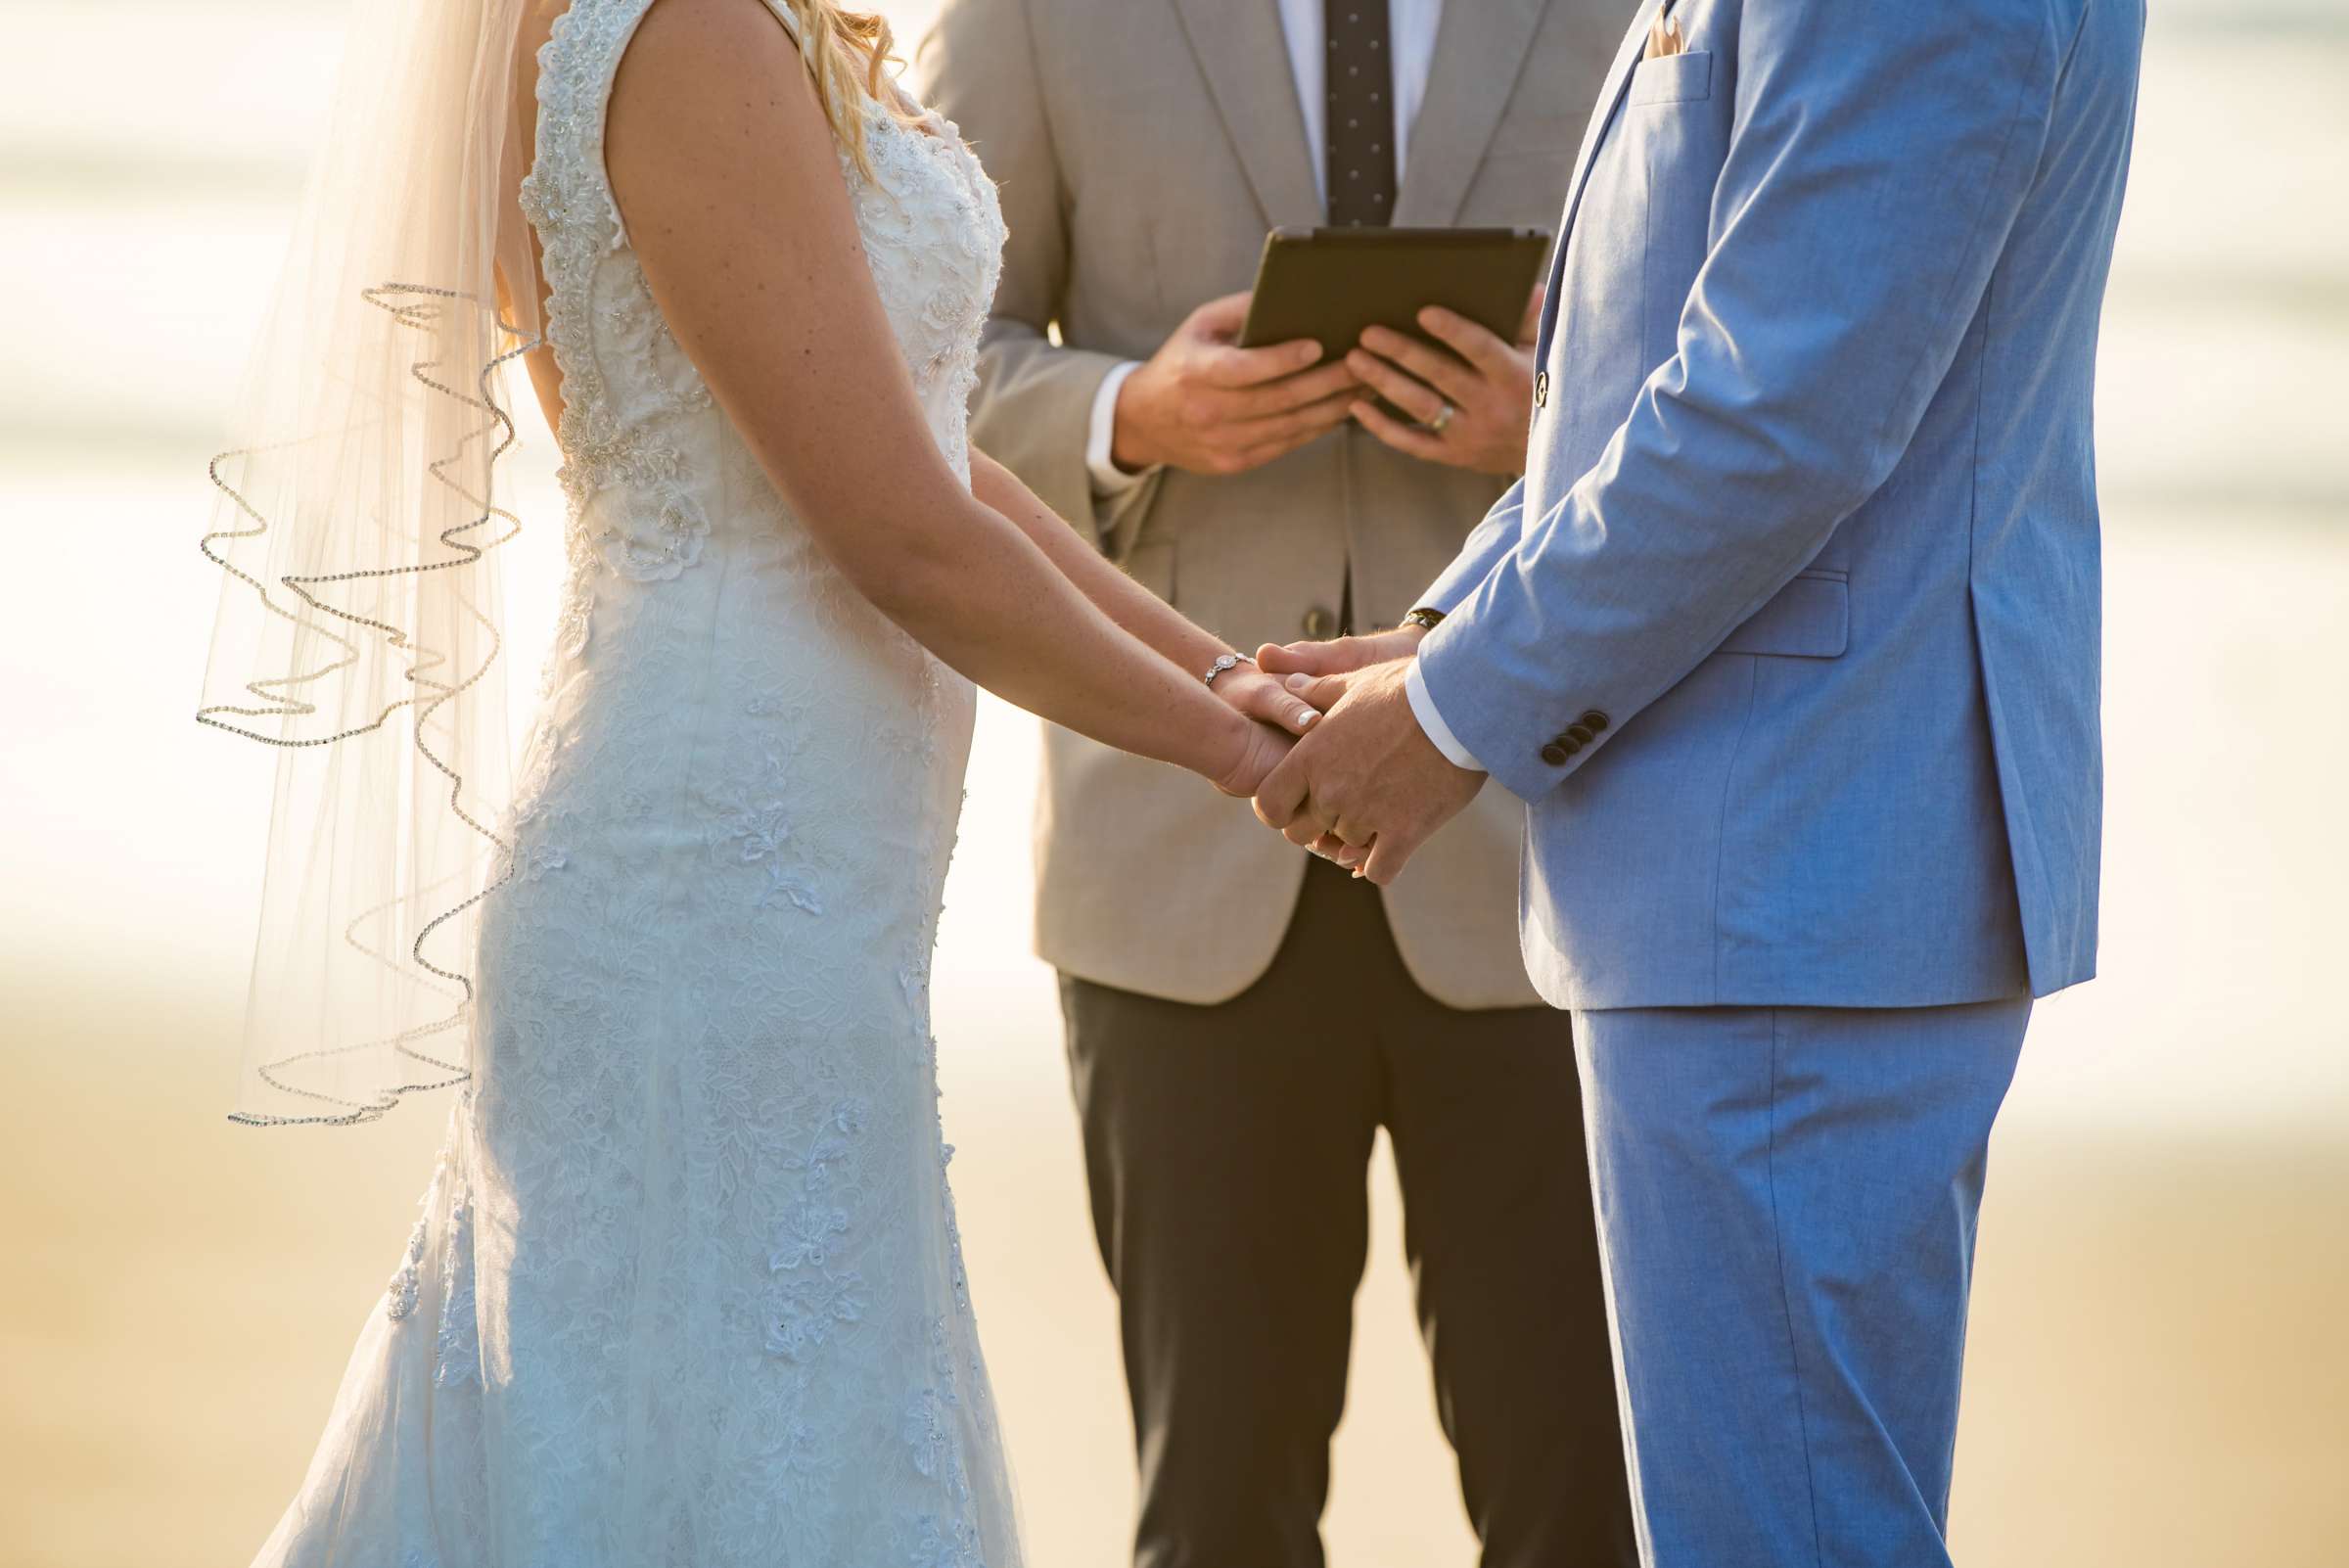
(1580, 734)
(1555, 754)
(1594, 721)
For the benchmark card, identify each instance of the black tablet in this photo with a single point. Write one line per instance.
(1330, 284)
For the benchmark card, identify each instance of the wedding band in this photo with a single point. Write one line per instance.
(1436, 425)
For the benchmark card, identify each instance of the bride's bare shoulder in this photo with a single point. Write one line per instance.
(700, 79)
(704, 58)
(694, 29)
(758, 34)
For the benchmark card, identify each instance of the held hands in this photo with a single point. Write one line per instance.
(1472, 404)
(1279, 717)
(1205, 404)
(1281, 714)
(1367, 788)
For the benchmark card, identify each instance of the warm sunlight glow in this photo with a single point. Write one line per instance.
(2130, 1399)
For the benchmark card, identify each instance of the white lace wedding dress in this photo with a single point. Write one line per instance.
(686, 1292)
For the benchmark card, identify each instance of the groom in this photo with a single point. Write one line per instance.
(1788, 640)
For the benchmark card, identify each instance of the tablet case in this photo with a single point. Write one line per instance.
(1330, 284)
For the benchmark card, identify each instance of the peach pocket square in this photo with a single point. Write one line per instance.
(1664, 38)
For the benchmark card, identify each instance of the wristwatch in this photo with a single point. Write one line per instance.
(1424, 619)
(1224, 661)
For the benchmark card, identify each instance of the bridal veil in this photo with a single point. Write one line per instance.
(357, 531)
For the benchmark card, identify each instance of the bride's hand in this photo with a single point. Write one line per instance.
(1262, 747)
(1265, 699)
(1278, 716)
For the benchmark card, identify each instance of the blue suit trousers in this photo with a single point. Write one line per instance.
(1786, 1201)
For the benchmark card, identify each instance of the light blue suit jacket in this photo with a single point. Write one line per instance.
(1789, 637)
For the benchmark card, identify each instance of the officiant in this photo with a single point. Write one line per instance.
(1241, 1018)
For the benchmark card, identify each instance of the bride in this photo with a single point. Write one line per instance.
(686, 1289)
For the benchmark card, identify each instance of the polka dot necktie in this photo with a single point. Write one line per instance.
(1362, 114)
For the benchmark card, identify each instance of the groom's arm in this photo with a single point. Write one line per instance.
(1034, 404)
(1487, 544)
(1877, 158)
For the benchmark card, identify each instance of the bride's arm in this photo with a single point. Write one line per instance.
(1130, 605)
(725, 171)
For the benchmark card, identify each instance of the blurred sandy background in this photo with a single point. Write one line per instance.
(2158, 1374)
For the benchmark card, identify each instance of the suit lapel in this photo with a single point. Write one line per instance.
(1245, 59)
(1602, 116)
(1610, 98)
(1481, 46)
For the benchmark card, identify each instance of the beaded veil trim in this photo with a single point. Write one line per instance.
(417, 308)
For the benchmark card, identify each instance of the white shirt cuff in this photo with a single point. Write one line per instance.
(1101, 433)
(1423, 708)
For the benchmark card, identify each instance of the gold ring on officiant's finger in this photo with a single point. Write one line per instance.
(1435, 426)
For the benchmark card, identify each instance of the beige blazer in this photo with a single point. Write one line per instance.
(1143, 148)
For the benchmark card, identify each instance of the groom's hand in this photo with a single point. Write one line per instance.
(1339, 654)
(1367, 775)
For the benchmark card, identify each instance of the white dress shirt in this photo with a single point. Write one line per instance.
(1412, 46)
(1423, 708)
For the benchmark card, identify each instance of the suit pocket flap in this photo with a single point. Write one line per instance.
(1810, 617)
(1674, 78)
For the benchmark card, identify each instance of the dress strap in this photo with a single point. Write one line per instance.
(577, 69)
(568, 194)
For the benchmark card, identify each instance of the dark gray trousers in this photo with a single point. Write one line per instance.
(1226, 1149)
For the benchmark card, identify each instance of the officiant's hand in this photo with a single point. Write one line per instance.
(1206, 404)
(1472, 399)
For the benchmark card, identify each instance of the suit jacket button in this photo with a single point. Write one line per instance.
(1580, 734)
(1555, 754)
(1320, 621)
(1594, 721)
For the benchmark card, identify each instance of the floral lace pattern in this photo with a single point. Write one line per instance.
(688, 1285)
